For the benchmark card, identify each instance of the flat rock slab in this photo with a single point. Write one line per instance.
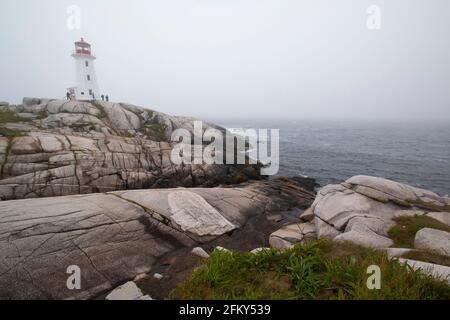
(200, 252)
(202, 213)
(398, 252)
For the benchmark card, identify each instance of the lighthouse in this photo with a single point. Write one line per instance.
(87, 87)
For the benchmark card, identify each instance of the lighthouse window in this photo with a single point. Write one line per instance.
(87, 63)
(88, 77)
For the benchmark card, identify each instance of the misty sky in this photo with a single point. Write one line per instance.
(238, 58)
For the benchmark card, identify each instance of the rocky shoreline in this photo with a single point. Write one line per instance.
(54, 148)
(362, 210)
(116, 236)
(92, 185)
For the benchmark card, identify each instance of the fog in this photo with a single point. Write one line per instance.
(238, 58)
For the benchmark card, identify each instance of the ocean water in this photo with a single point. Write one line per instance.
(332, 151)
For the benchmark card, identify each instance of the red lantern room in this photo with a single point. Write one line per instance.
(82, 47)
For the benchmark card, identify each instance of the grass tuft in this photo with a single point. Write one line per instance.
(318, 270)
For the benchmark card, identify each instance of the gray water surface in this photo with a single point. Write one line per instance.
(332, 151)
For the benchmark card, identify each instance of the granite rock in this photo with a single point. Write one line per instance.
(116, 236)
(74, 147)
(363, 209)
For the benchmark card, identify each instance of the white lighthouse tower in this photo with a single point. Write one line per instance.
(87, 87)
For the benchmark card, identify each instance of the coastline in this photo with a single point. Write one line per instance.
(90, 186)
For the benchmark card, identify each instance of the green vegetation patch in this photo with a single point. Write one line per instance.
(318, 270)
(404, 232)
(10, 117)
(150, 113)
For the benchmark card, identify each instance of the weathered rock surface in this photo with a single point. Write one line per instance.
(362, 209)
(285, 237)
(434, 240)
(443, 217)
(365, 238)
(127, 291)
(307, 215)
(221, 249)
(114, 237)
(70, 147)
(200, 252)
(158, 276)
(192, 213)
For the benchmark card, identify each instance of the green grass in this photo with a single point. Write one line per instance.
(404, 232)
(10, 117)
(319, 270)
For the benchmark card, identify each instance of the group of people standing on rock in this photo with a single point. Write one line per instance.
(70, 96)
